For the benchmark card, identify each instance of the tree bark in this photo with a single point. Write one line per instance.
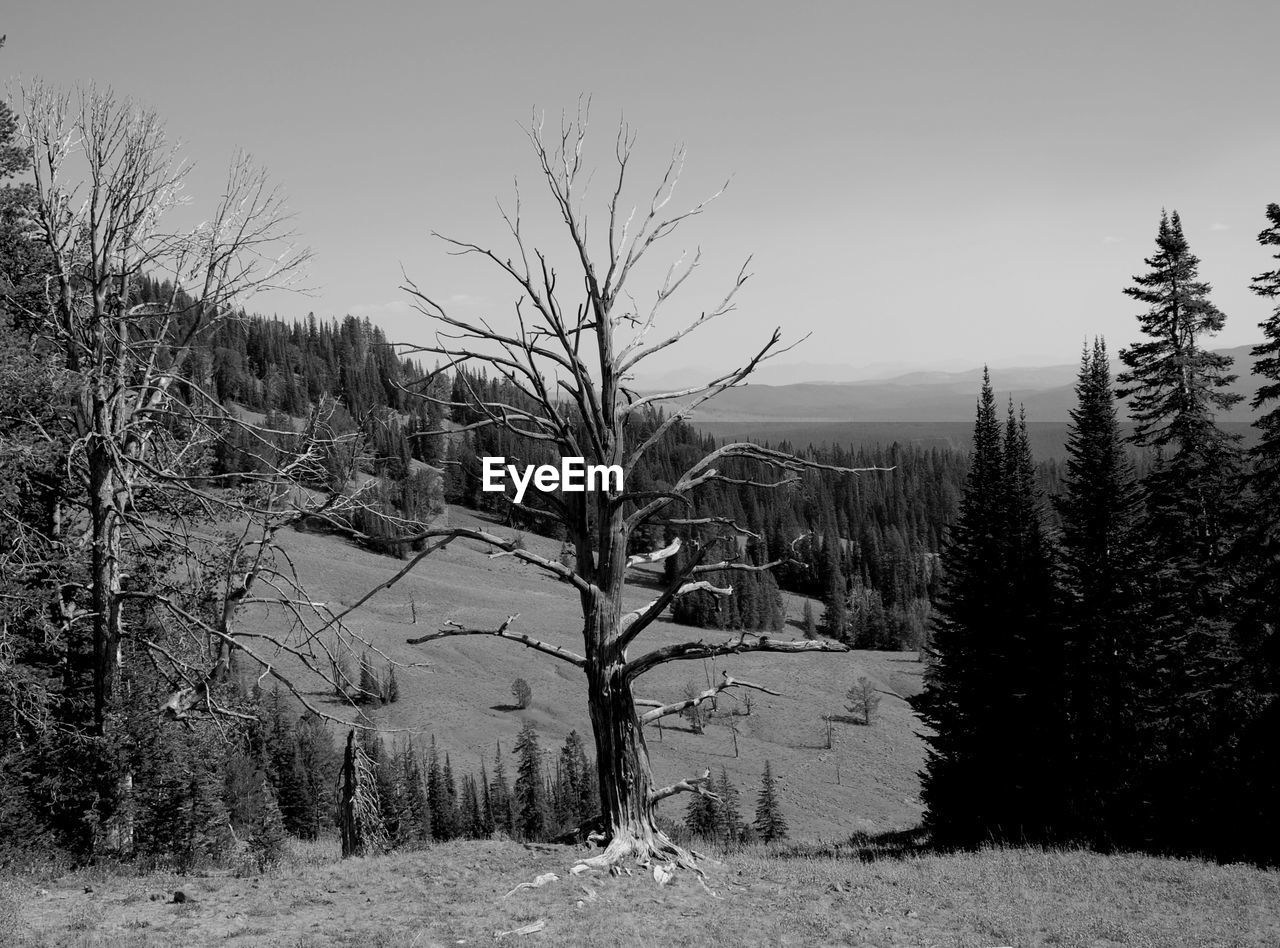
(105, 565)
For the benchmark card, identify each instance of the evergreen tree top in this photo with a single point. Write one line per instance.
(1175, 385)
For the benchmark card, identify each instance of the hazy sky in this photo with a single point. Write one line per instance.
(918, 182)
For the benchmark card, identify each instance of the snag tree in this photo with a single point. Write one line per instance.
(131, 300)
(568, 364)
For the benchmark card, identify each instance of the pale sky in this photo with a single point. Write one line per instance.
(919, 183)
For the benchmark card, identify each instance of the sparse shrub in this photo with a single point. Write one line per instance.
(522, 692)
(370, 684)
(696, 715)
(82, 918)
(863, 700)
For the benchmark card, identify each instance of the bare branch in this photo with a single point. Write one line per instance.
(668, 551)
(503, 632)
(689, 651)
(696, 785)
(677, 707)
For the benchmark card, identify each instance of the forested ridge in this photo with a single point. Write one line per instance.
(887, 528)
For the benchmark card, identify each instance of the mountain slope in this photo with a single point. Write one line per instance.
(1046, 392)
(463, 697)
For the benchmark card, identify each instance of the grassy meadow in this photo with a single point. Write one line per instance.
(866, 782)
(461, 894)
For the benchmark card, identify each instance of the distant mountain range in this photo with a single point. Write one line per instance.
(1047, 393)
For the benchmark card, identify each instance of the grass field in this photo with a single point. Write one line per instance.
(866, 782)
(457, 894)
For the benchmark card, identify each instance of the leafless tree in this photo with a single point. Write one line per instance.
(571, 365)
(108, 186)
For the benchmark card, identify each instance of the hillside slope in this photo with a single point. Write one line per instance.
(463, 697)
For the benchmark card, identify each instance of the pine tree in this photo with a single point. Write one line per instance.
(1259, 624)
(1033, 718)
(451, 812)
(393, 686)
(486, 804)
(394, 807)
(769, 823)
(1104, 568)
(470, 820)
(835, 602)
(1266, 453)
(443, 818)
(575, 797)
(727, 815)
(993, 691)
(208, 828)
(417, 806)
(500, 795)
(960, 679)
(529, 799)
(317, 763)
(284, 766)
(1176, 386)
(810, 623)
(267, 834)
(700, 816)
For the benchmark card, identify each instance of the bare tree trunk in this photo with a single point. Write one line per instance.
(105, 560)
(621, 754)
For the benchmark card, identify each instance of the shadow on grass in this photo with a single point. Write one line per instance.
(847, 719)
(504, 707)
(867, 847)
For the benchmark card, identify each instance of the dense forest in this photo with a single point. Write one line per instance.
(1114, 681)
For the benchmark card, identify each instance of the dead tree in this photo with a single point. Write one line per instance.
(107, 180)
(359, 813)
(572, 363)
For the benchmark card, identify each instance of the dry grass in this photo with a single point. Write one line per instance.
(456, 894)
